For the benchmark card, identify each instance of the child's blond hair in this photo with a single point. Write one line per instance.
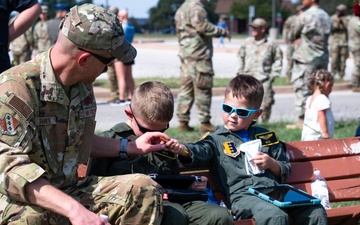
(318, 79)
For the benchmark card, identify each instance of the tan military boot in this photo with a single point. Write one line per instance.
(207, 127)
(184, 126)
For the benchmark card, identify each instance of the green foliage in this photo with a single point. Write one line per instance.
(162, 15)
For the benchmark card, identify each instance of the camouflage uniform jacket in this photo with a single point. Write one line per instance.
(339, 33)
(261, 59)
(313, 27)
(195, 32)
(41, 36)
(23, 43)
(46, 129)
(354, 34)
(288, 24)
(164, 163)
(228, 172)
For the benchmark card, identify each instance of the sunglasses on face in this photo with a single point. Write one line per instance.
(102, 59)
(240, 112)
(144, 129)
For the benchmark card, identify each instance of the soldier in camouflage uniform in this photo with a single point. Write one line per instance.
(41, 36)
(194, 33)
(261, 57)
(290, 44)
(339, 42)
(310, 34)
(162, 162)
(47, 114)
(22, 47)
(354, 47)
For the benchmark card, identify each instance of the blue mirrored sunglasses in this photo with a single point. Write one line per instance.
(240, 112)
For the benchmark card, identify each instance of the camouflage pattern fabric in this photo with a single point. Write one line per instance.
(354, 47)
(289, 43)
(194, 33)
(47, 128)
(113, 83)
(313, 29)
(41, 36)
(339, 45)
(261, 59)
(22, 47)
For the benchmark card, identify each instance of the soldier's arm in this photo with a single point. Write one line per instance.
(24, 21)
(277, 61)
(241, 60)
(203, 26)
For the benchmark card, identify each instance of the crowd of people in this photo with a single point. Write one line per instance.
(48, 108)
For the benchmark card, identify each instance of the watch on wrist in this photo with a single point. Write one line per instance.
(123, 146)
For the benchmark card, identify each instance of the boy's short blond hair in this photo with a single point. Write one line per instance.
(247, 87)
(153, 101)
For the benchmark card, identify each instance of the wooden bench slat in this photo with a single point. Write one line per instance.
(330, 169)
(348, 215)
(310, 150)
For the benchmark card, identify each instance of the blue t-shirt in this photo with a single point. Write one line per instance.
(6, 7)
(129, 31)
(244, 134)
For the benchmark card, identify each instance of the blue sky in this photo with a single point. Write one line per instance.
(136, 8)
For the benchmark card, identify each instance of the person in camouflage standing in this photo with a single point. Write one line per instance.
(22, 47)
(310, 34)
(61, 10)
(289, 43)
(113, 82)
(339, 42)
(261, 58)
(41, 37)
(354, 46)
(194, 33)
(47, 122)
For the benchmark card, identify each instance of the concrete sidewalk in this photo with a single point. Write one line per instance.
(102, 94)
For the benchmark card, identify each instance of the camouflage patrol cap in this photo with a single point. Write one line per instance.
(93, 27)
(44, 9)
(258, 22)
(341, 7)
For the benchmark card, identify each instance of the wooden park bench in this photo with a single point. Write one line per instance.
(339, 163)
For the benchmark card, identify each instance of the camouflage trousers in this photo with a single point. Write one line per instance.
(196, 86)
(355, 77)
(301, 72)
(113, 83)
(24, 57)
(268, 100)
(289, 58)
(126, 200)
(338, 55)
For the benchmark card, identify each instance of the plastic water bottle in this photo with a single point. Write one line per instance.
(319, 189)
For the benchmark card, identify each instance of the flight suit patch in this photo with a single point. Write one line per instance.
(267, 138)
(230, 149)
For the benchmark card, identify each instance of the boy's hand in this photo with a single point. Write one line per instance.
(176, 147)
(200, 185)
(264, 161)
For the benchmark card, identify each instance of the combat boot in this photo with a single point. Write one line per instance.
(207, 127)
(298, 125)
(184, 126)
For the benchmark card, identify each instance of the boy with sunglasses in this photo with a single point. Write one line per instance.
(224, 152)
(145, 117)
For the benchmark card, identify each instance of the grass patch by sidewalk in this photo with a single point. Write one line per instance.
(342, 129)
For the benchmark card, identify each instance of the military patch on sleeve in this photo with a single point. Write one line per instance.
(267, 138)
(8, 125)
(230, 149)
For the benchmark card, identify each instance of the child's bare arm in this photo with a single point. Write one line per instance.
(323, 124)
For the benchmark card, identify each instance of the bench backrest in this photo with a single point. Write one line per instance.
(338, 161)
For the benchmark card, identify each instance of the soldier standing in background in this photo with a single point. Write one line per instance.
(41, 36)
(194, 33)
(289, 22)
(354, 46)
(339, 42)
(113, 83)
(261, 58)
(22, 47)
(311, 33)
(53, 25)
